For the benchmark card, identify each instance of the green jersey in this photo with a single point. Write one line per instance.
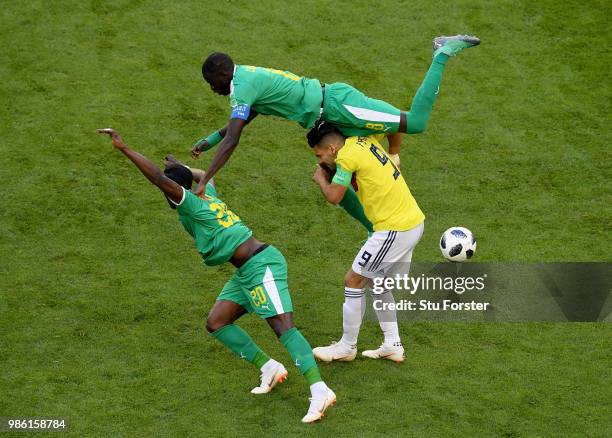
(275, 92)
(216, 230)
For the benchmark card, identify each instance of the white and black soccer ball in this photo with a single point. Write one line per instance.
(458, 244)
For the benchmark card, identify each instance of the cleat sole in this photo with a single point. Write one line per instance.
(281, 379)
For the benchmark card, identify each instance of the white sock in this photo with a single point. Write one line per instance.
(352, 314)
(268, 366)
(387, 319)
(318, 390)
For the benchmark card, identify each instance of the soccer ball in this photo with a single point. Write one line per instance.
(457, 244)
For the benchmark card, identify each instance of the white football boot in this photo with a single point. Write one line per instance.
(394, 352)
(336, 351)
(270, 377)
(317, 407)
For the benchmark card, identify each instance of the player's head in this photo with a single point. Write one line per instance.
(218, 71)
(325, 140)
(180, 175)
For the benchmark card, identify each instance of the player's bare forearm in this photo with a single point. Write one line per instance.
(203, 144)
(171, 189)
(154, 174)
(224, 152)
(395, 143)
(198, 174)
(146, 167)
(333, 193)
(223, 131)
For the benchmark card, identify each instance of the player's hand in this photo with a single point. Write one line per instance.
(320, 175)
(395, 158)
(198, 147)
(199, 190)
(115, 137)
(329, 173)
(171, 161)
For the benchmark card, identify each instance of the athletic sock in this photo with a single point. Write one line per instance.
(318, 390)
(237, 340)
(261, 359)
(313, 375)
(352, 314)
(350, 202)
(301, 353)
(387, 319)
(422, 102)
(268, 365)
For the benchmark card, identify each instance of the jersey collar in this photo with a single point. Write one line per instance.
(232, 83)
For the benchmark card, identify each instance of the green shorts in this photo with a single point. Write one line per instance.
(355, 114)
(260, 285)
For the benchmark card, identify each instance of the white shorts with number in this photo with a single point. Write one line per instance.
(387, 252)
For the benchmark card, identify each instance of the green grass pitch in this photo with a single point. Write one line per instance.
(102, 297)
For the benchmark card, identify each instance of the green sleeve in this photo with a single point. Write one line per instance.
(244, 94)
(342, 177)
(189, 204)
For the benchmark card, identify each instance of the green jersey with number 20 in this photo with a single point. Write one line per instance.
(216, 230)
(274, 92)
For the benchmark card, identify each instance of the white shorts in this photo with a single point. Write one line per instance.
(387, 252)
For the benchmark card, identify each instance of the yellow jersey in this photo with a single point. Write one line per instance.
(381, 188)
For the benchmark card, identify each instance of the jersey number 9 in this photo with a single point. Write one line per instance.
(382, 157)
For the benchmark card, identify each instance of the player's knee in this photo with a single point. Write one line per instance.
(281, 323)
(213, 324)
(354, 280)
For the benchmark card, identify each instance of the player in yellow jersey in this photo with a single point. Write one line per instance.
(398, 225)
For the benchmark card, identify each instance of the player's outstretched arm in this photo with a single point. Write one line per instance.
(225, 150)
(171, 189)
(207, 143)
(333, 193)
